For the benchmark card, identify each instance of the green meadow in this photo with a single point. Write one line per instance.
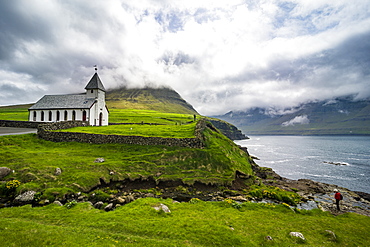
(193, 223)
(146, 130)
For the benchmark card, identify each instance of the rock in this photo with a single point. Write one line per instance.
(129, 198)
(269, 238)
(26, 197)
(297, 235)
(4, 171)
(162, 207)
(149, 195)
(120, 200)
(81, 198)
(335, 163)
(58, 171)
(58, 203)
(239, 198)
(99, 160)
(98, 205)
(109, 207)
(331, 234)
(307, 205)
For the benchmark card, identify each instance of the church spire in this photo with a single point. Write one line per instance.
(95, 82)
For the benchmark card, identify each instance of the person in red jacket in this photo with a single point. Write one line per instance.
(338, 197)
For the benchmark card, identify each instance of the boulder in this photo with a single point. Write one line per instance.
(129, 198)
(331, 235)
(297, 235)
(120, 200)
(58, 203)
(4, 171)
(269, 238)
(26, 197)
(98, 205)
(307, 205)
(162, 207)
(99, 160)
(58, 171)
(109, 207)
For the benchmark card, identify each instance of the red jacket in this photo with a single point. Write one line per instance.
(338, 196)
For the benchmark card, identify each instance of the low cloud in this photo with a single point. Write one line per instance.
(297, 120)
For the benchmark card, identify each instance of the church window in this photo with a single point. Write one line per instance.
(34, 116)
(65, 115)
(42, 115)
(50, 115)
(58, 115)
(73, 116)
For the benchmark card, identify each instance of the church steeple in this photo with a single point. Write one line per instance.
(95, 83)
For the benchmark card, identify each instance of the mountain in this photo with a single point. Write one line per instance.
(158, 99)
(163, 100)
(340, 116)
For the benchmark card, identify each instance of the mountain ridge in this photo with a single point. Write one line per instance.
(340, 116)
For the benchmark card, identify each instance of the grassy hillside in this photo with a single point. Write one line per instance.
(159, 99)
(195, 223)
(35, 160)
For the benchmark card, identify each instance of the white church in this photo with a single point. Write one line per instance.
(89, 106)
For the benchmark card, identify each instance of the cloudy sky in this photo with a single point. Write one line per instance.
(218, 55)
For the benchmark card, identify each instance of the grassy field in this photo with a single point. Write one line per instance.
(195, 223)
(17, 113)
(166, 131)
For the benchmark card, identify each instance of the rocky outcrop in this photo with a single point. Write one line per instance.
(228, 129)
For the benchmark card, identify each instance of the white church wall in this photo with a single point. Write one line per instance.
(58, 115)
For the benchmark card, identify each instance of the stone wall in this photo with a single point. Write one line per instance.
(45, 131)
(19, 124)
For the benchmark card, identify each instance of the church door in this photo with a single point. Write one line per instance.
(100, 119)
(84, 116)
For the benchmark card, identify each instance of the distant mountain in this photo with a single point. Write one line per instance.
(341, 116)
(158, 99)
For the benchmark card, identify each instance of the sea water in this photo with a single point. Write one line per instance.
(312, 157)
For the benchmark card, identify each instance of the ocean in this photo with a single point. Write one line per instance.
(313, 157)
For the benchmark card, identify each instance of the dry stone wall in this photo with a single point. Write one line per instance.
(18, 124)
(46, 131)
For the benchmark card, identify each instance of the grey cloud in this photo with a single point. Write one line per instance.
(57, 43)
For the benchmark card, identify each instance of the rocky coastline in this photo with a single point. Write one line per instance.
(318, 195)
(108, 196)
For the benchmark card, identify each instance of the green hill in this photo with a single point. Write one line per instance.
(158, 99)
